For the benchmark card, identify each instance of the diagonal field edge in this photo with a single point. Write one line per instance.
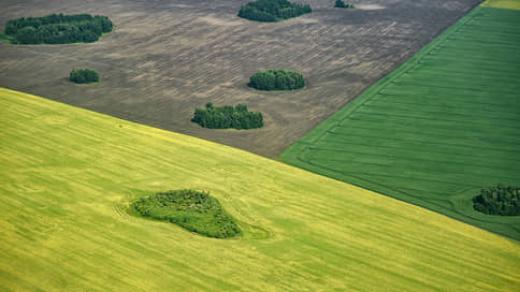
(298, 153)
(67, 173)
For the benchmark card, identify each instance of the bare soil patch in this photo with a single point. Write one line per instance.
(166, 58)
(370, 7)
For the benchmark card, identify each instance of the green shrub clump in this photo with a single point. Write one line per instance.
(272, 10)
(227, 117)
(277, 80)
(193, 210)
(341, 4)
(503, 201)
(83, 76)
(58, 29)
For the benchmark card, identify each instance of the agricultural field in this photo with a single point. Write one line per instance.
(67, 176)
(439, 128)
(508, 4)
(165, 58)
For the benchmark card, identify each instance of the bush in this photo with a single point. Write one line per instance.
(272, 10)
(227, 117)
(195, 211)
(277, 80)
(503, 201)
(341, 4)
(83, 76)
(58, 29)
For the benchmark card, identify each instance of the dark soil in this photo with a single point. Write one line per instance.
(165, 58)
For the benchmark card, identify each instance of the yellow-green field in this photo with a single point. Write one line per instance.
(66, 175)
(508, 4)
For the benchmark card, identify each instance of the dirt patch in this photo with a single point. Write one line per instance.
(165, 59)
(213, 20)
(370, 7)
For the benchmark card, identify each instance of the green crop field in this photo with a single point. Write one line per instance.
(436, 130)
(67, 176)
(508, 4)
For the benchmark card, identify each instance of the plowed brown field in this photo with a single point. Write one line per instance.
(167, 57)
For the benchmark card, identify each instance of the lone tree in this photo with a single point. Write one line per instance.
(277, 79)
(83, 76)
(272, 10)
(57, 29)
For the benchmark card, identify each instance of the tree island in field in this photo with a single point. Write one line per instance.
(83, 76)
(277, 79)
(342, 4)
(193, 210)
(272, 10)
(500, 200)
(227, 117)
(57, 29)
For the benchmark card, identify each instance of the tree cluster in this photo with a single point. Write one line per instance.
(83, 76)
(272, 10)
(503, 201)
(277, 80)
(227, 117)
(341, 4)
(58, 29)
(193, 210)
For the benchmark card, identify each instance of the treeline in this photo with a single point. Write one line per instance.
(193, 210)
(58, 29)
(501, 200)
(83, 76)
(341, 4)
(227, 117)
(272, 10)
(277, 80)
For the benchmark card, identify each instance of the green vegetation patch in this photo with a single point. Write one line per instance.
(83, 76)
(500, 200)
(272, 10)
(193, 210)
(5, 38)
(445, 122)
(277, 79)
(57, 29)
(227, 117)
(342, 4)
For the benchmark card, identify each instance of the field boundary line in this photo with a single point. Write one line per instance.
(292, 154)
